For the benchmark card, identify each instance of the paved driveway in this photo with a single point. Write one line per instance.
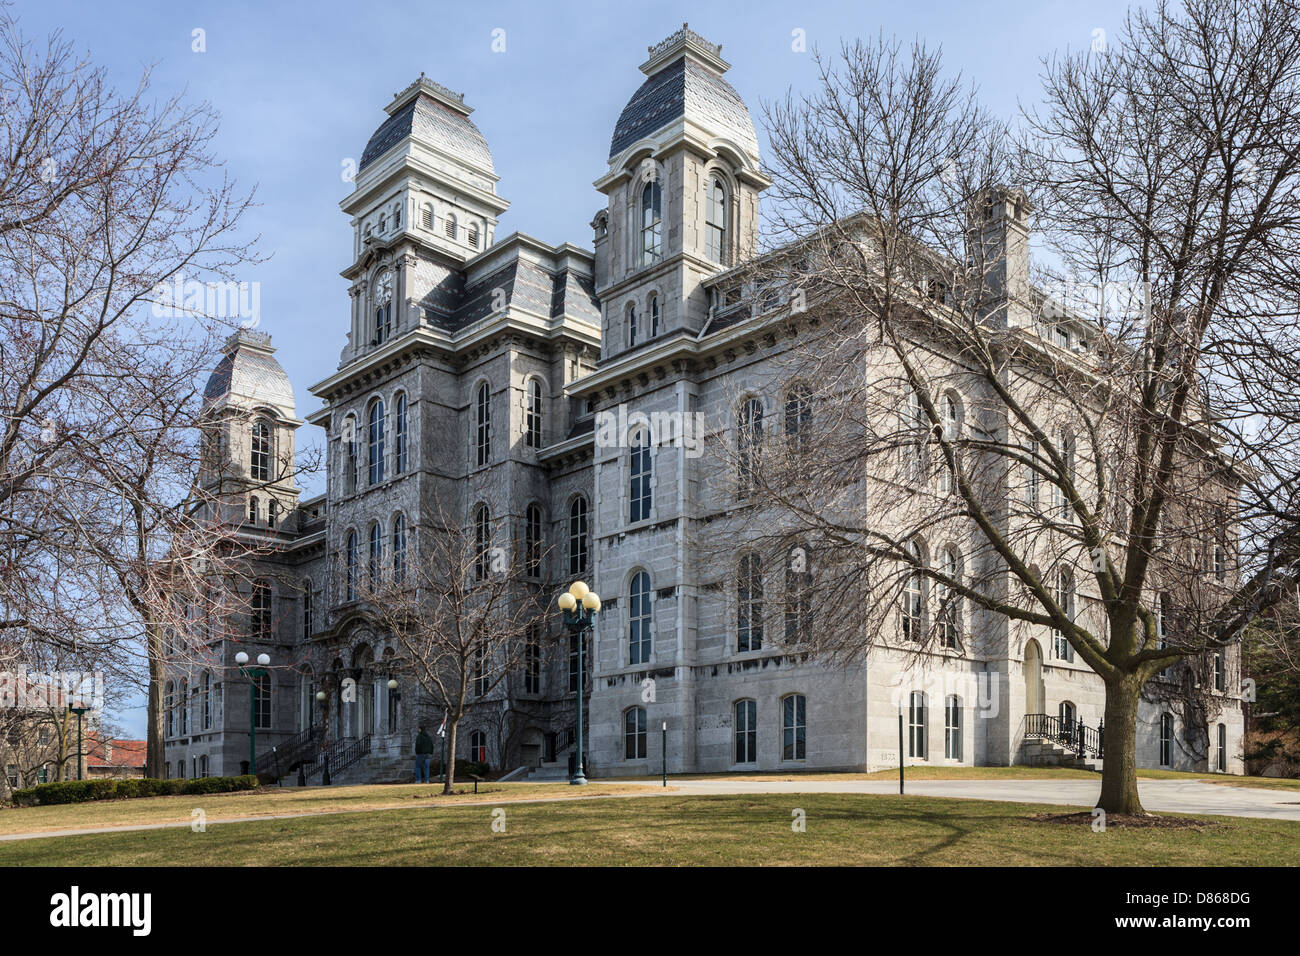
(1169, 796)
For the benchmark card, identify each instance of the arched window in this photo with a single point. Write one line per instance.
(479, 679)
(949, 601)
(794, 727)
(715, 221)
(261, 607)
(383, 304)
(1221, 749)
(1220, 672)
(306, 609)
(533, 414)
(533, 541)
(634, 734)
(639, 493)
(376, 556)
(1166, 740)
(952, 727)
(631, 324)
(749, 604)
(169, 707)
(798, 601)
(254, 509)
(639, 619)
(471, 233)
(917, 729)
(449, 226)
(1064, 597)
(1032, 477)
(272, 512)
(746, 731)
(401, 440)
(478, 746)
(653, 309)
(1065, 715)
(397, 216)
(350, 560)
(917, 430)
(183, 703)
(349, 439)
(483, 424)
(533, 660)
(950, 409)
(1065, 447)
(578, 536)
(375, 442)
(399, 549)
(914, 596)
(651, 223)
(749, 437)
(482, 541)
(798, 414)
(260, 463)
(426, 216)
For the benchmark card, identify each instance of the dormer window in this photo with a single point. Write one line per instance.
(651, 223)
(715, 221)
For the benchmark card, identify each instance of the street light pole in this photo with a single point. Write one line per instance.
(579, 605)
(80, 754)
(252, 673)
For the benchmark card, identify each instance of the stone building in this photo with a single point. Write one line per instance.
(474, 372)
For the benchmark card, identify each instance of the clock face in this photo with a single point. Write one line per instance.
(384, 288)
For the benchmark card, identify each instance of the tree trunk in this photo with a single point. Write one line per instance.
(449, 771)
(155, 752)
(1119, 792)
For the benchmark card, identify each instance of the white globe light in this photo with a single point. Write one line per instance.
(241, 658)
(263, 659)
(392, 684)
(591, 601)
(579, 590)
(567, 602)
(320, 695)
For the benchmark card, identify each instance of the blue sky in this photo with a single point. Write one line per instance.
(300, 88)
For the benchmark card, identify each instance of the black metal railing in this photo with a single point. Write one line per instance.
(1070, 734)
(287, 754)
(340, 755)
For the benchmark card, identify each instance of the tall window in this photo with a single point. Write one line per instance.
(533, 415)
(749, 604)
(639, 618)
(261, 610)
(1220, 672)
(917, 734)
(949, 602)
(798, 601)
(639, 493)
(951, 412)
(272, 512)
(206, 701)
(1221, 749)
(260, 463)
(634, 734)
(749, 437)
(471, 233)
(349, 455)
(306, 610)
(631, 325)
(916, 427)
(169, 706)
(478, 746)
(479, 677)
(715, 221)
(533, 541)
(1064, 596)
(578, 536)
(383, 308)
(1162, 629)
(746, 731)
(651, 223)
(482, 542)
(1065, 714)
(1032, 478)
(262, 702)
(350, 559)
(483, 424)
(798, 415)
(399, 549)
(400, 437)
(1060, 499)
(914, 598)
(952, 727)
(1166, 740)
(253, 509)
(375, 563)
(794, 727)
(375, 442)
(533, 661)
(654, 315)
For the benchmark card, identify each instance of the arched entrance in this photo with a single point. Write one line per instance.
(1033, 677)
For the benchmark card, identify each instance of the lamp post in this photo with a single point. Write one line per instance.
(78, 711)
(393, 700)
(324, 730)
(252, 673)
(579, 605)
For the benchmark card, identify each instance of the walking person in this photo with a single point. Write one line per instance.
(423, 754)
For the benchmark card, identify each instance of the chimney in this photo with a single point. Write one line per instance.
(1000, 249)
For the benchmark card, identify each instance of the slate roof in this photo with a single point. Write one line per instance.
(527, 285)
(249, 374)
(684, 87)
(435, 124)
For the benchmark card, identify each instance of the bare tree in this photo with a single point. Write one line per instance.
(464, 607)
(969, 459)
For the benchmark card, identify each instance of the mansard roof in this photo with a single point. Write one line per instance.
(248, 376)
(434, 116)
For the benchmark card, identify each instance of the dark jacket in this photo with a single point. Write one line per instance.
(424, 743)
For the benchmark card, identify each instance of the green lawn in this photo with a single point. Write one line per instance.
(748, 830)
